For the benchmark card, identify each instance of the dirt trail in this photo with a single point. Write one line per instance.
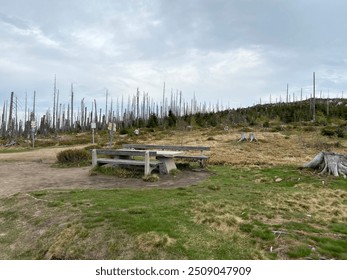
(32, 170)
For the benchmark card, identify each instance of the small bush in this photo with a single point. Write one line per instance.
(332, 131)
(266, 124)
(151, 178)
(174, 172)
(126, 131)
(73, 156)
(340, 133)
(327, 132)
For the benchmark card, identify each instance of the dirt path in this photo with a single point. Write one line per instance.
(28, 171)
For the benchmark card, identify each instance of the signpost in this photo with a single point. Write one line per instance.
(111, 128)
(33, 128)
(93, 126)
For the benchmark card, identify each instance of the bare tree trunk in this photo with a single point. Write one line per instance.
(54, 100)
(71, 120)
(314, 98)
(10, 119)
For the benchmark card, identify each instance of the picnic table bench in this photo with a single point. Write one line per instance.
(200, 158)
(125, 158)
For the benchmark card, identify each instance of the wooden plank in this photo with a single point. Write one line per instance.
(124, 152)
(126, 162)
(192, 157)
(166, 147)
(166, 153)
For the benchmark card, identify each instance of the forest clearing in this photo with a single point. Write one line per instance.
(252, 201)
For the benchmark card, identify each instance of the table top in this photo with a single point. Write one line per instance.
(168, 153)
(163, 153)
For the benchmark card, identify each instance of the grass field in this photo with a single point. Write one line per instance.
(242, 212)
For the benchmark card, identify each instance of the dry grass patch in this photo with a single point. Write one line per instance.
(272, 148)
(154, 242)
(323, 205)
(218, 216)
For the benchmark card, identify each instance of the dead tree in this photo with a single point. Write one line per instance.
(54, 100)
(71, 118)
(331, 163)
(11, 120)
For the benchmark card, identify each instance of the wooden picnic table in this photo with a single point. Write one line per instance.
(185, 156)
(125, 157)
(165, 156)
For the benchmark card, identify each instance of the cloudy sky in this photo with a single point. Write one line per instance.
(235, 52)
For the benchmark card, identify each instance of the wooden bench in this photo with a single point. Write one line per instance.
(200, 158)
(126, 158)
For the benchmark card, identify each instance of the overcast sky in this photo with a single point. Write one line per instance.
(234, 51)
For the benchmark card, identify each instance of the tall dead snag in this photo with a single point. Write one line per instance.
(10, 126)
(71, 118)
(330, 163)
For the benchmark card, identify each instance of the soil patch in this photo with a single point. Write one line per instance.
(29, 171)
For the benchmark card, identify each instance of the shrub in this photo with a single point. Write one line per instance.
(73, 156)
(327, 132)
(153, 121)
(266, 124)
(340, 133)
(126, 130)
(151, 178)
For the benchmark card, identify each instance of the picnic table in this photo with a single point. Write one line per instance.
(164, 160)
(181, 149)
(150, 157)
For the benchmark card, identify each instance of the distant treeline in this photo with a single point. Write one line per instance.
(141, 111)
(136, 111)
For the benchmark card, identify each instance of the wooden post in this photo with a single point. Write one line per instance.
(94, 158)
(147, 169)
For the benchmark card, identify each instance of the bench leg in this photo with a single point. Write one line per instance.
(147, 167)
(94, 158)
(166, 165)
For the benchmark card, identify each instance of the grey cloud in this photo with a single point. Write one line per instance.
(211, 47)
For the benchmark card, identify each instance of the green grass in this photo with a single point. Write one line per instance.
(238, 213)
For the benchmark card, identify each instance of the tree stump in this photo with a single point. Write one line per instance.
(243, 137)
(331, 163)
(252, 137)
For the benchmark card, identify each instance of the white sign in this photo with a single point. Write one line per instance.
(93, 125)
(110, 125)
(33, 124)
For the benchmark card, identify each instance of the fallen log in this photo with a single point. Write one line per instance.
(331, 163)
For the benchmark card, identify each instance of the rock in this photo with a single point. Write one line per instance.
(278, 179)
